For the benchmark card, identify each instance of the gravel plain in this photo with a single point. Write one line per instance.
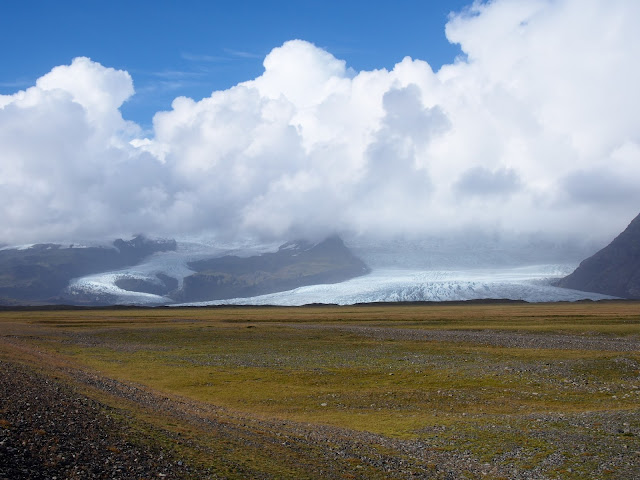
(53, 427)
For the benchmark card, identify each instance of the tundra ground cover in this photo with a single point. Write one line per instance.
(432, 390)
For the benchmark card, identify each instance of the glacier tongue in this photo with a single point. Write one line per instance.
(171, 263)
(531, 283)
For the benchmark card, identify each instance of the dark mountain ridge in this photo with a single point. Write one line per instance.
(294, 265)
(614, 270)
(39, 274)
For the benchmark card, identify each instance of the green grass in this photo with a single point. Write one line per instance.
(263, 363)
(392, 387)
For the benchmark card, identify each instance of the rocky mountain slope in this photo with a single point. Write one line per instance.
(39, 274)
(293, 265)
(614, 270)
(43, 273)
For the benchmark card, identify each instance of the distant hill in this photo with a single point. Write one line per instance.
(614, 270)
(39, 274)
(294, 265)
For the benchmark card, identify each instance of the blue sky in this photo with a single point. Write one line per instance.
(191, 48)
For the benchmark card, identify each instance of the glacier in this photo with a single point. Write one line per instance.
(171, 263)
(530, 283)
(399, 273)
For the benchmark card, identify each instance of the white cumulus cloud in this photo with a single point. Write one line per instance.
(534, 130)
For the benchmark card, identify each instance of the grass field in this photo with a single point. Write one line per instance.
(407, 391)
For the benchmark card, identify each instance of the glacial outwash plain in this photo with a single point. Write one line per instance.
(488, 389)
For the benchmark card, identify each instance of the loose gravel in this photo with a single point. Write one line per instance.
(49, 431)
(491, 338)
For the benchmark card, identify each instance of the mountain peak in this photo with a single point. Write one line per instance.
(297, 245)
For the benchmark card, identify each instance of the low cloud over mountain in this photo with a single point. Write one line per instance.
(534, 130)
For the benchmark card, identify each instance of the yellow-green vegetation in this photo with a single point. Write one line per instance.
(456, 377)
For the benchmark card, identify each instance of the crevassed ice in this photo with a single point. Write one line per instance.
(531, 283)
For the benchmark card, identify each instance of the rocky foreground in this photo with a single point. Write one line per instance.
(49, 431)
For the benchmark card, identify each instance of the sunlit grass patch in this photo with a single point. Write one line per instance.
(387, 387)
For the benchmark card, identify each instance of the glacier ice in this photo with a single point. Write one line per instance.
(445, 274)
(531, 283)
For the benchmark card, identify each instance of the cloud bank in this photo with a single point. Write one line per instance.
(534, 130)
